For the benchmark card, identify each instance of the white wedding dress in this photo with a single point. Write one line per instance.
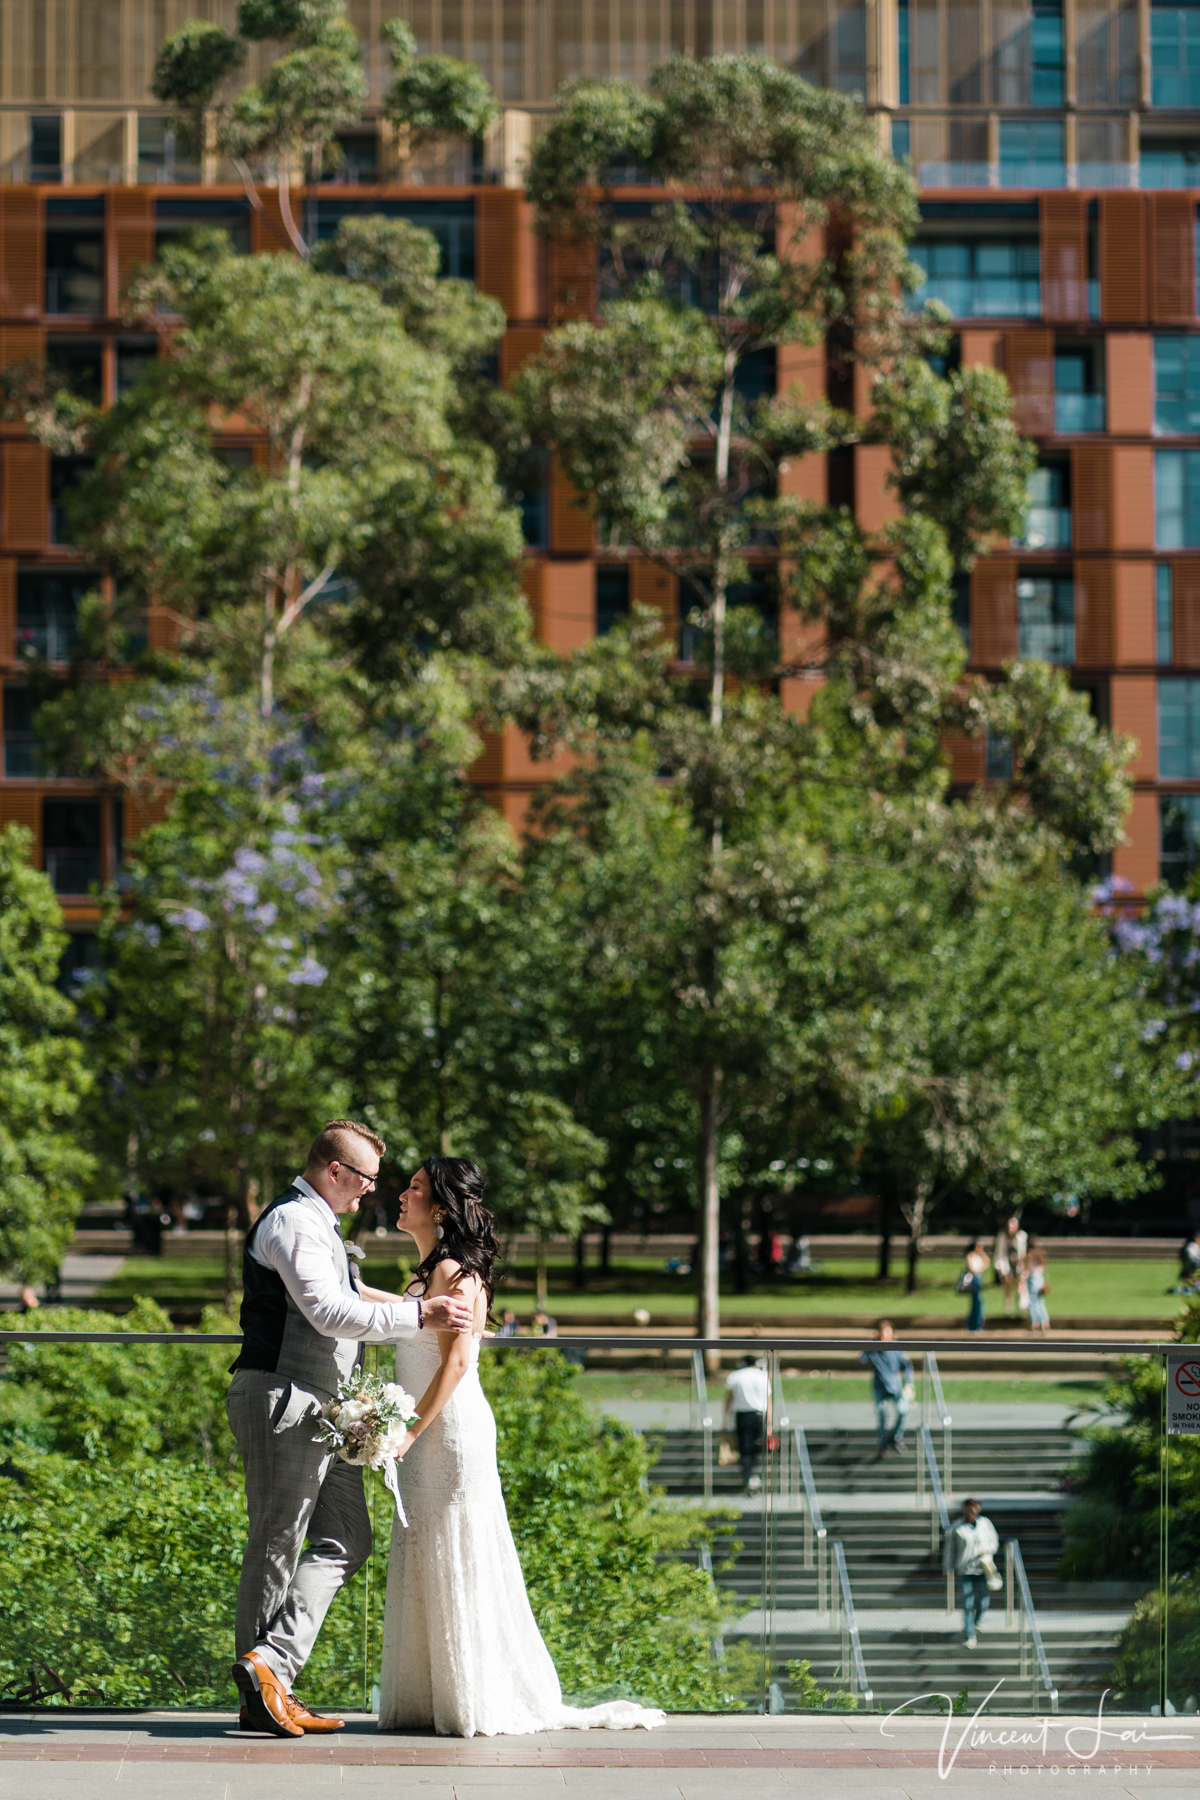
(461, 1648)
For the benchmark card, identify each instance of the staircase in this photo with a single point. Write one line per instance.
(911, 1645)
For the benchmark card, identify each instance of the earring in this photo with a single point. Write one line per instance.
(438, 1233)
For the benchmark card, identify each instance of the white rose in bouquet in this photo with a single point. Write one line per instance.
(366, 1426)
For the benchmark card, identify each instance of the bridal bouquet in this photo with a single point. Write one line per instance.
(366, 1426)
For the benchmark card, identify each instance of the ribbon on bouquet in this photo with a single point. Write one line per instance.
(391, 1477)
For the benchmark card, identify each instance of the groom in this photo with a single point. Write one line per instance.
(305, 1314)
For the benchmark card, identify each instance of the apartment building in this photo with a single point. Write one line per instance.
(1057, 145)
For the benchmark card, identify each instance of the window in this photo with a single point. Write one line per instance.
(1176, 385)
(997, 757)
(901, 138)
(1169, 163)
(360, 157)
(1047, 56)
(1032, 153)
(905, 83)
(1078, 387)
(45, 147)
(1164, 619)
(134, 356)
(48, 609)
(1177, 499)
(533, 498)
(1178, 837)
(78, 364)
(22, 755)
(612, 597)
(75, 256)
(960, 607)
(1046, 618)
(1174, 55)
(159, 160)
(452, 223)
(1048, 522)
(71, 844)
(986, 278)
(79, 961)
(174, 218)
(1178, 728)
(66, 473)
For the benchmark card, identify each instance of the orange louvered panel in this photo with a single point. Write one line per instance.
(19, 807)
(993, 611)
(1130, 358)
(1095, 614)
(874, 501)
(1185, 614)
(1091, 497)
(966, 759)
(130, 238)
(801, 366)
(573, 278)
(141, 812)
(1064, 257)
(506, 250)
(162, 628)
(8, 609)
(1029, 357)
(982, 349)
(1123, 258)
(21, 343)
(804, 478)
(570, 516)
(651, 586)
(26, 496)
(1132, 497)
(488, 767)
(1173, 258)
(1133, 700)
(567, 613)
(267, 230)
(22, 281)
(1136, 860)
(1134, 611)
(517, 346)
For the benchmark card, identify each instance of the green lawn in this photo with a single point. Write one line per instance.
(842, 1292)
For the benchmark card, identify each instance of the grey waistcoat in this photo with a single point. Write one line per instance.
(276, 1337)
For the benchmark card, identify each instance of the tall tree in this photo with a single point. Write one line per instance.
(43, 1077)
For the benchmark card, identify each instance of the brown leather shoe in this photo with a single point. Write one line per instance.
(264, 1697)
(311, 1721)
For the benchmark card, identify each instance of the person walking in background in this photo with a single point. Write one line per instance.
(1039, 1287)
(891, 1387)
(975, 1267)
(508, 1324)
(748, 1395)
(1189, 1258)
(1008, 1260)
(968, 1552)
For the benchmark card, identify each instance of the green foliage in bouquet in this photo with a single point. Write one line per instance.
(621, 1613)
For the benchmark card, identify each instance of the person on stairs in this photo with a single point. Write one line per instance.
(891, 1387)
(969, 1552)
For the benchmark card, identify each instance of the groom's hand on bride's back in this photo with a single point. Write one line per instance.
(447, 1312)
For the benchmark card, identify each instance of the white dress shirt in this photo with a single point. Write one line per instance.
(300, 1242)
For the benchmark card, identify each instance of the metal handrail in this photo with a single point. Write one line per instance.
(814, 1524)
(935, 1381)
(850, 1628)
(649, 1341)
(700, 1389)
(1018, 1563)
(935, 1480)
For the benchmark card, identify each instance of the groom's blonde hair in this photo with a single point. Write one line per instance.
(335, 1142)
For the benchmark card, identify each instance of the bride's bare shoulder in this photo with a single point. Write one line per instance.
(449, 1277)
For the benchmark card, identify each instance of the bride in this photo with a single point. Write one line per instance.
(461, 1649)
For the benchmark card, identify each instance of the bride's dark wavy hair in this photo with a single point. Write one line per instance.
(468, 1231)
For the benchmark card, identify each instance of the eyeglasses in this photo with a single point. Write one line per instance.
(369, 1179)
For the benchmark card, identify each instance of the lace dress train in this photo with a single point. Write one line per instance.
(461, 1648)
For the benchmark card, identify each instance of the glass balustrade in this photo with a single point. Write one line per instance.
(813, 1559)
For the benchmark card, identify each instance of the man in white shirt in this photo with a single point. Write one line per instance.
(747, 1397)
(305, 1314)
(970, 1546)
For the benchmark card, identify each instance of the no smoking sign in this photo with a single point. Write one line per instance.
(1183, 1393)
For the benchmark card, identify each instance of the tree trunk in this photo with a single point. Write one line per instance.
(741, 1252)
(883, 1273)
(606, 1250)
(710, 1206)
(233, 1262)
(914, 1251)
(581, 1262)
(542, 1284)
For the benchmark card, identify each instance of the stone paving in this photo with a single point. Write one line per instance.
(60, 1755)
